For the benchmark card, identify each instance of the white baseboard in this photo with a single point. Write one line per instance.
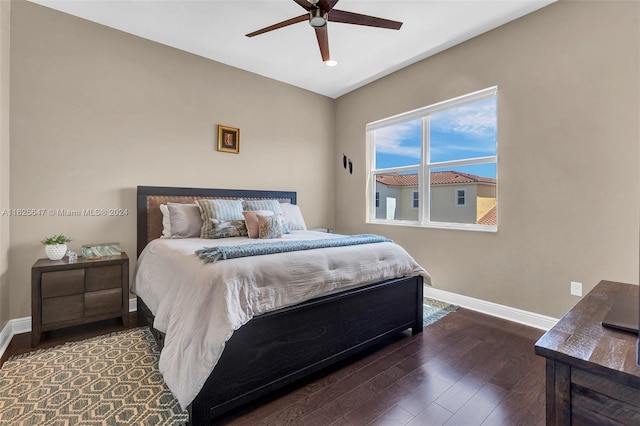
(6, 334)
(23, 325)
(13, 327)
(531, 319)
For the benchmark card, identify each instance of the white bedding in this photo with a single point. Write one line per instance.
(199, 305)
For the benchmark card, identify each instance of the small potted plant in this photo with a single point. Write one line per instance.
(56, 246)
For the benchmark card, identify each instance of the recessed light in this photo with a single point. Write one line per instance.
(331, 63)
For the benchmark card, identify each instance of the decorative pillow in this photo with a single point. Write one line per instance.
(166, 221)
(185, 220)
(228, 228)
(251, 220)
(269, 226)
(293, 217)
(223, 210)
(253, 205)
(283, 223)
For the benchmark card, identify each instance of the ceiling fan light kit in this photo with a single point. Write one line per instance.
(322, 11)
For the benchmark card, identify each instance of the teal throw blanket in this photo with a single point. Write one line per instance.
(213, 254)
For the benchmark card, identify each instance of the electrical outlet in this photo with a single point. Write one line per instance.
(576, 288)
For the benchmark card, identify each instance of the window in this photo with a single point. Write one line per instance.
(439, 153)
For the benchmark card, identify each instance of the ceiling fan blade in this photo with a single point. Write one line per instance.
(358, 19)
(291, 21)
(327, 5)
(304, 3)
(323, 42)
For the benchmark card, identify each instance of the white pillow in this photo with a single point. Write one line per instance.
(293, 217)
(185, 220)
(166, 221)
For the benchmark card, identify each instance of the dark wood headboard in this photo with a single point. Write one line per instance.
(150, 198)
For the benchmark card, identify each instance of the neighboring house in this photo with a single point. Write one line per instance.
(455, 197)
(394, 196)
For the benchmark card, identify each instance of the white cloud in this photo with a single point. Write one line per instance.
(393, 139)
(476, 119)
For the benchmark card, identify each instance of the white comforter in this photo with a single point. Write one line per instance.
(199, 305)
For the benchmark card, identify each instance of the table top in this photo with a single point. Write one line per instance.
(81, 262)
(579, 338)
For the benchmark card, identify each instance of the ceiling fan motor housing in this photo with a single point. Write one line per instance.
(317, 17)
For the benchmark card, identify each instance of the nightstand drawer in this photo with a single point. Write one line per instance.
(103, 278)
(62, 283)
(58, 309)
(103, 302)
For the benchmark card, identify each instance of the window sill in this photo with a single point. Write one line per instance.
(437, 225)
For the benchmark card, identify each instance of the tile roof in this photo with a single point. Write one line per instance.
(437, 178)
(451, 176)
(396, 179)
(483, 205)
(489, 218)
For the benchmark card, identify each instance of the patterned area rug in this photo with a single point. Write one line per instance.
(106, 380)
(435, 310)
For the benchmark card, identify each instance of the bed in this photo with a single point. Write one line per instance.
(278, 347)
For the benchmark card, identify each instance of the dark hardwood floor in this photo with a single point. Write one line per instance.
(466, 369)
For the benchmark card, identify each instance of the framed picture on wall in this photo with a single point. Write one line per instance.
(228, 139)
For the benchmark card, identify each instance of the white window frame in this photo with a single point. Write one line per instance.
(414, 199)
(424, 168)
(457, 197)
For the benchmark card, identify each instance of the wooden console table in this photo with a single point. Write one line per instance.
(592, 376)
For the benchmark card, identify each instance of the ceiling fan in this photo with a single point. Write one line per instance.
(321, 11)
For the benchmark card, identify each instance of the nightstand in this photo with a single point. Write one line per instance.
(65, 294)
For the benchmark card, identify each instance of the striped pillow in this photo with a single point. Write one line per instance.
(223, 210)
(273, 205)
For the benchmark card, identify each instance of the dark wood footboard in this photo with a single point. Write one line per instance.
(280, 347)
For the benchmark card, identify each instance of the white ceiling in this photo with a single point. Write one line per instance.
(216, 29)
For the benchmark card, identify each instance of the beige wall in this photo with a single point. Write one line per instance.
(444, 208)
(568, 80)
(404, 208)
(5, 24)
(404, 204)
(96, 112)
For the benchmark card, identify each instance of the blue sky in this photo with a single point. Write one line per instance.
(466, 131)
